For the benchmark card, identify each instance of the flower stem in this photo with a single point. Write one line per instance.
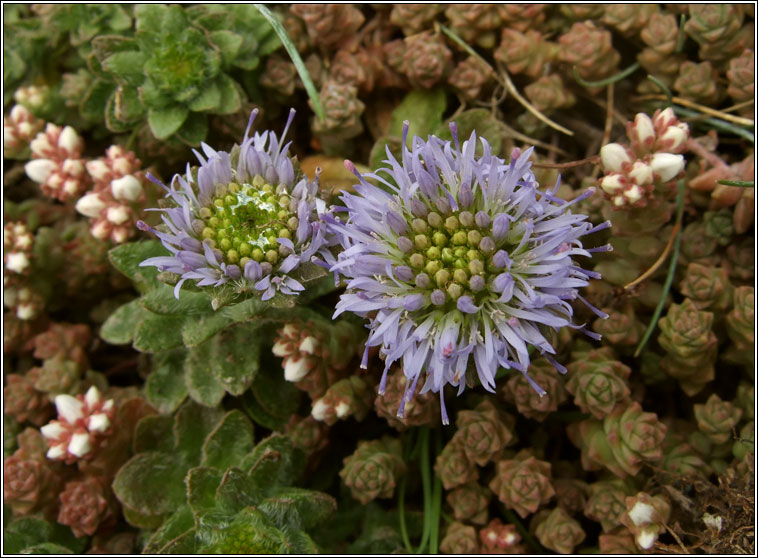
(436, 499)
(295, 56)
(672, 268)
(426, 485)
(408, 449)
(717, 124)
(738, 183)
(607, 81)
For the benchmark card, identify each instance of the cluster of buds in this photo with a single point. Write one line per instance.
(453, 467)
(30, 482)
(528, 53)
(111, 203)
(652, 159)
(523, 484)
(628, 19)
(83, 422)
(598, 382)
(589, 49)
(646, 518)
(342, 114)
(659, 56)
(476, 22)
(412, 18)
(348, 397)
(426, 60)
(372, 471)
(499, 538)
(27, 303)
(87, 506)
(716, 418)
(559, 531)
(329, 25)
(57, 163)
(23, 402)
(17, 248)
(32, 96)
(707, 287)
(19, 127)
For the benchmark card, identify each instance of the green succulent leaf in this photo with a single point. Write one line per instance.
(161, 300)
(126, 66)
(231, 95)
(230, 441)
(423, 108)
(228, 42)
(166, 121)
(194, 130)
(158, 332)
(164, 540)
(127, 257)
(34, 535)
(154, 433)
(202, 385)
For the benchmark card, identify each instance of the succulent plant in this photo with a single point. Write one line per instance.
(741, 76)
(87, 506)
(531, 404)
(469, 503)
(717, 28)
(475, 22)
(660, 34)
(646, 517)
(426, 60)
(598, 382)
(453, 467)
(549, 93)
(621, 329)
(707, 287)
(329, 24)
(716, 418)
(619, 542)
(589, 49)
(469, 77)
(697, 82)
(343, 112)
(523, 485)
(352, 396)
(628, 19)
(459, 539)
(739, 326)
(372, 470)
(606, 502)
(560, 532)
(484, 432)
(691, 345)
(412, 18)
(528, 53)
(35, 535)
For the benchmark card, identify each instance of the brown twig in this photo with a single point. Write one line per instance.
(702, 108)
(608, 115)
(677, 539)
(708, 156)
(739, 106)
(659, 262)
(595, 159)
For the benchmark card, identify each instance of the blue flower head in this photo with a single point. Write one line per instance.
(458, 259)
(242, 217)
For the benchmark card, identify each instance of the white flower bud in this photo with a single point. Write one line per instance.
(24, 241)
(74, 167)
(281, 349)
(54, 181)
(342, 409)
(633, 194)
(92, 397)
(319, 410)
(641, 513)
(40, 145)
(56, 452)
(664, 119)
(97, 169)
(79, 445)
(646, 538)
(642, 131)
(641, 173)
(39, 169)
(52, 430)
(667, 165)
(71, 186)
(100, 230)
(126, 188)
(295, 369)
(108, 405)
(24, 129)
(117, 215)
(20, 113)
(26, 311)
(674, 137)
(309, 345)
(122, 165)
(119, 235)
(69, 407)
(612, 183)
(70, 141)
(618, 201)
(9, 138)
(613, 156)
(90, 205)
(98, 423)
(17, 262)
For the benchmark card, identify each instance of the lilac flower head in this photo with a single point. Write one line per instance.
(242, 217)
(491, 258)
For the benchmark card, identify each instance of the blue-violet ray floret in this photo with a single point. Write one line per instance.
(242, 217)
(459, 256)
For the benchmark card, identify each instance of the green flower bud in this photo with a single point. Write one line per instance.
(466, 218)
(442, 277)
(454, 290)
(432, 267)
(452, 224)
(419, 225)
(476, 267)
(459, 238)
(416, 260)
(439, 239)
(421, 241)
(434, 219)
(433, 253)
(460, 276)
(474, 237)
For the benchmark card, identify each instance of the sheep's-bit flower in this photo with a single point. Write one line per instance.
(83, 422)
(459, 538)
(453, 467)
(560, 532)
(598, 382)
(348, 397)
(646, 518)
(57, 163)
(470, 502)
(620, 542)
(117, 193)
(464, 258)
(607, 503)
(484, 432)
(707, 287)
(372, 471)
(19, 127)
(716, 418)
(498, 538)
(18, 243)
(523, 484)
(691, 345)
(23, 402)
(241, 218)
(530, 403)
(418, 411)
(86, 506)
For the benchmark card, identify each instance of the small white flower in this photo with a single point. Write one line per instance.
(117, 215)
(667, 165)
(715, 522)
(641, 513)
(39, 169)
(319, 410)
(100, 230)
(92, 397)
(295, 369)
(90, 205)
(98, 423)
(633, 194)
(121, 165)
(674, 137)
(69, 140)
(52, 430)
(26, 311)
(119, 235)
(71, 186)
(612, 183)
(642, 130)
(17, 262)
(664, 119)
(56, 452)
(126, 188)
(74, 167)
(97, 169)
(613, 156)
(342, 409)
(646, 538)
(69, 407)
(79, 445)
(282, 348)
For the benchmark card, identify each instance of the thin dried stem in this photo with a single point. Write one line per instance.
(705, 110)
(595, 159)
(658, 263)
(608, 115)
(515, 134)
(739, 106)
